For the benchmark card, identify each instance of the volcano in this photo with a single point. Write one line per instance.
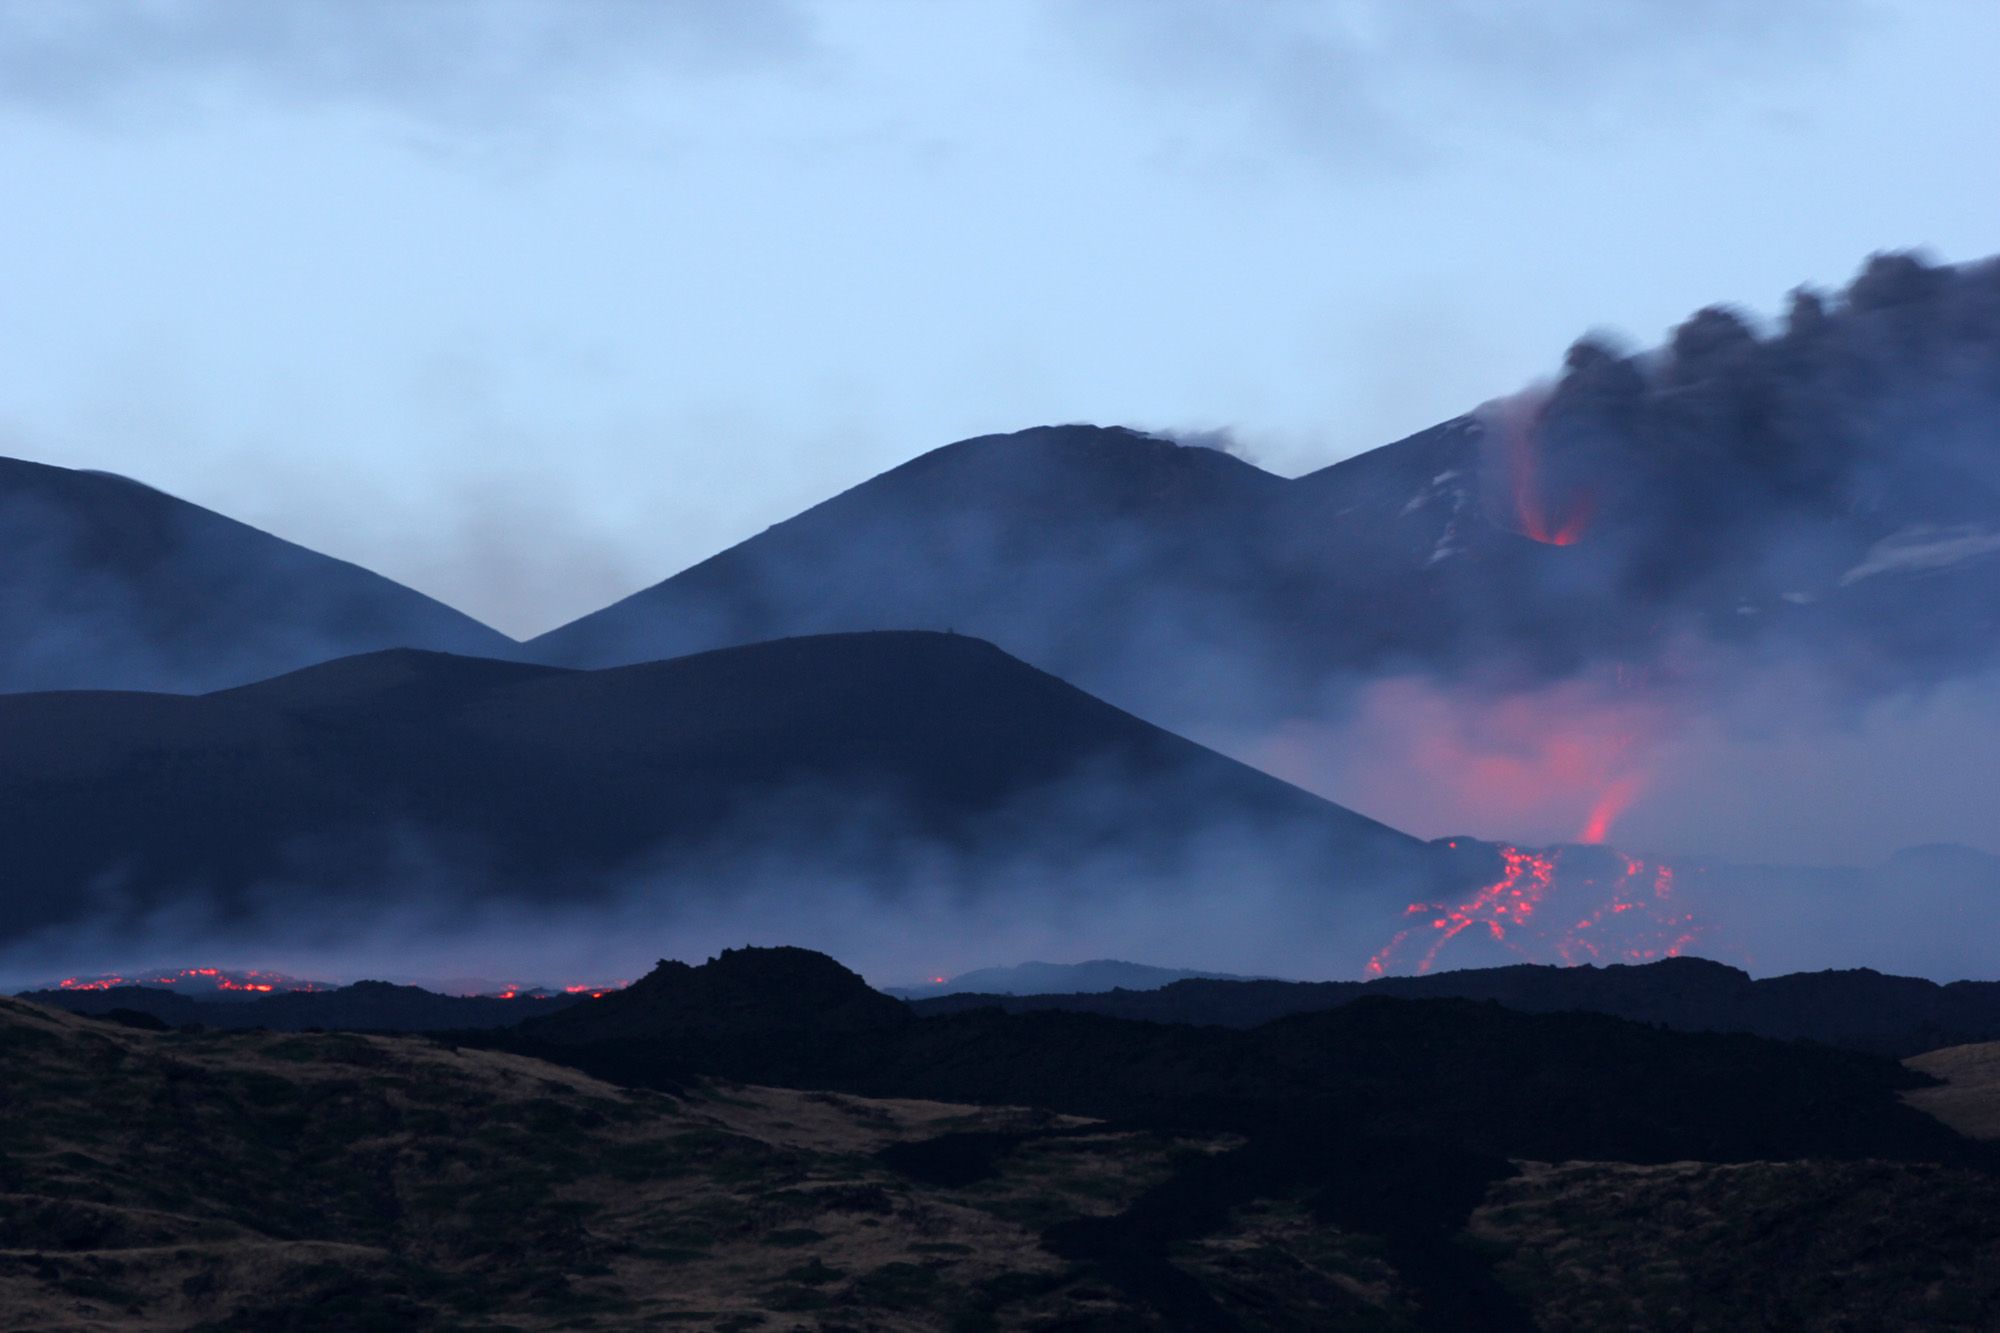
(1828, 489)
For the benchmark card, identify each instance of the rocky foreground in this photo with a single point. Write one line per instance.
(170, 1180)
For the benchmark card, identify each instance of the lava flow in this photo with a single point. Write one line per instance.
(1616, 910)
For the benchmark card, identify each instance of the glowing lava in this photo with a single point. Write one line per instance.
(1613, 803)
(1628, 915)
(594, 992)
(247, 982)
(1533, 511)
(252, 982)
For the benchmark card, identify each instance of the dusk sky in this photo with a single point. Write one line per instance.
(530, 303)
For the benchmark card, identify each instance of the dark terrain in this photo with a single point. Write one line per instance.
(1395, 1164)
(1857, 1010)
(1100, 974)
(366, 1006)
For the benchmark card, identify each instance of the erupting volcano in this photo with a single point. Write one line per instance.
(1603, 907)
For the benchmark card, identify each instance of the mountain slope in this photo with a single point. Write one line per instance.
(1064, 544)
(865, 767)
(113, 585)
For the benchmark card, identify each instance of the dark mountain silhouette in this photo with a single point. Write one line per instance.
(1095, 554)
(365, 1006)
(1547, 1086)
(113, 585)
(1858, 1009)
(409, 778)
(1100, 974)
(806, 993)
(765, 991)
(1829, 488)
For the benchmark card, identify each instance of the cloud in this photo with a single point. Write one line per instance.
(458, 63)
(1385, 86)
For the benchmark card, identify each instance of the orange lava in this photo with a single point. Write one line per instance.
(1534, 516)
(250, 981)
(1632, 916)
(1613, 803)
(594, 992)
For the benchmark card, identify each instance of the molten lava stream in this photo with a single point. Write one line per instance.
(1628, 916)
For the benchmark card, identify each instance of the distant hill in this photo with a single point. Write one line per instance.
(1100, 974)
(803, 992)
(866, 766)
(365, 1006)
(1858, 1009)
(112, 585)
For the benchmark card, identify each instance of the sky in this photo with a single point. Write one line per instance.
(531, 303)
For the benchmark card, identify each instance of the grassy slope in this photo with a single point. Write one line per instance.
(161, 1180)
(258, 1180)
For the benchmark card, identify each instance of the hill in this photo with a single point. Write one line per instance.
(112, 585)
(1858, 1009)
(1100, 974)
(842, 771)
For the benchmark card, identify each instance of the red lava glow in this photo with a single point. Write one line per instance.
(1617, 797)
(1538, 516)
(1561, 762)
(1539, 912)
(595, 992)
(253, 982)
(248, 982)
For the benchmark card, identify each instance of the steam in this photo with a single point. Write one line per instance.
(842, 871)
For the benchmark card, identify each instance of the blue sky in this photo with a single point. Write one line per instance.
(530, 303)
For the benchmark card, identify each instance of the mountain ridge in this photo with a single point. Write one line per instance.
(115, 584)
